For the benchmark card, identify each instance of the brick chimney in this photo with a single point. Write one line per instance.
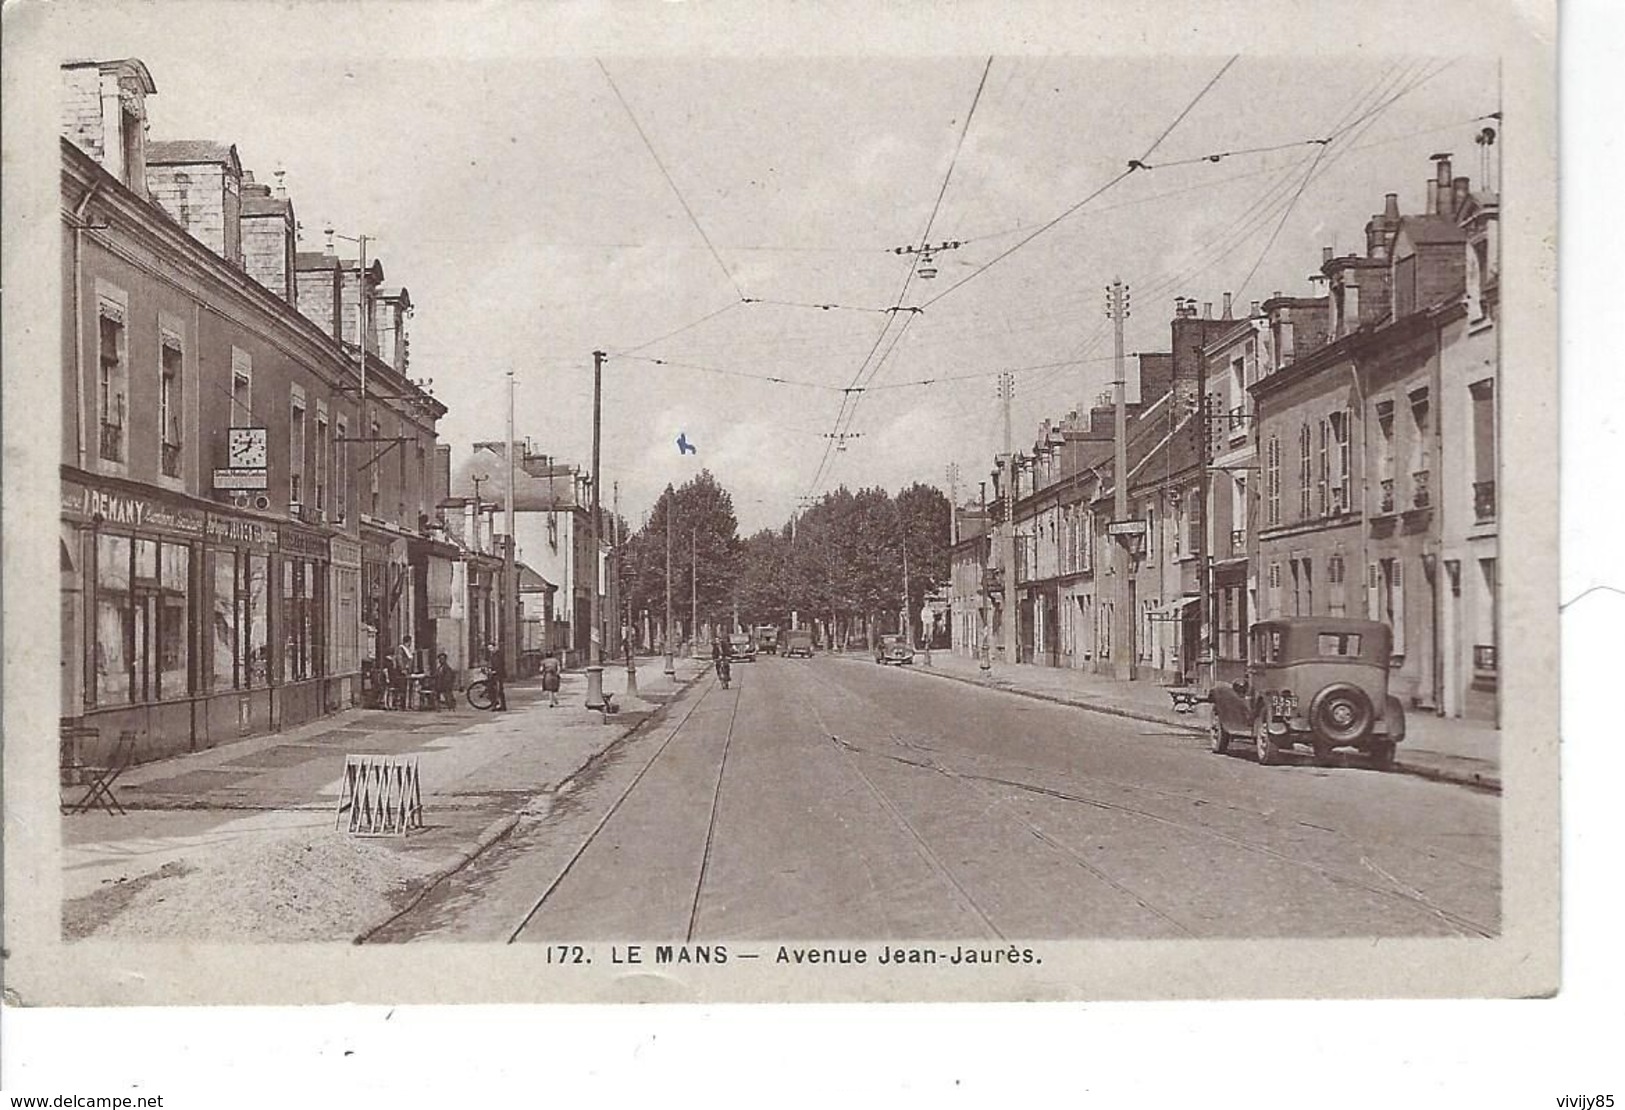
(269, 237)
(391, 311)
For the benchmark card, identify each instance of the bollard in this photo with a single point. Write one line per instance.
(595, 686)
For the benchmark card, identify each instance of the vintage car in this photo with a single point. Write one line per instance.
(1321, 681)
(798, 641)
(893, 649)
(741, 647)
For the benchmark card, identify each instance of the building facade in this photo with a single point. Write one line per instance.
(211, 553)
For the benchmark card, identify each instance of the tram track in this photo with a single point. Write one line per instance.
(615, 808)
(1392, 889)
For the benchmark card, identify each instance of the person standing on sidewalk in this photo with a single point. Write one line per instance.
(498, 680)
(550, 679)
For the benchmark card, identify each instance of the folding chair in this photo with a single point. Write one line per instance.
(101, 786)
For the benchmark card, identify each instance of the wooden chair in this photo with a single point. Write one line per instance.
(100, 791)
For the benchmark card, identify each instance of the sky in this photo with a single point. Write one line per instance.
(542, 206)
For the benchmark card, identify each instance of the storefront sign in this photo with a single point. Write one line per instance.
(241, 479)
(124, 510)
(299, 542)
(344, 553)
(239, 530)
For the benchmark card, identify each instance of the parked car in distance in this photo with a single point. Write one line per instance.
(893, 649)
(741, 647)
(767, 638)
(1320, 681)
(798, 641)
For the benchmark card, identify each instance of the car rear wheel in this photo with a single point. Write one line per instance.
(1269, 753)
(1341, 714)
(1218, 740)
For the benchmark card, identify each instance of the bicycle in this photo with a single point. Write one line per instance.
(479, 692)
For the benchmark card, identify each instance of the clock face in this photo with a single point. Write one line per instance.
(246, 448)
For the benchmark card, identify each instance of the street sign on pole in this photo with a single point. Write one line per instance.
(1126, 528)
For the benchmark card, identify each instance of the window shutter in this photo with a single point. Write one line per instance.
(1372, 600)
(1399, 608)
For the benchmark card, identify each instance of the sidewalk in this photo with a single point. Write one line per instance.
(1467, 753)
(240, 843)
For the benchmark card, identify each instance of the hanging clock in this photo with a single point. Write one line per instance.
(247, 448)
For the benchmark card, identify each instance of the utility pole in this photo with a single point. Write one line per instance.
(510, 569)
(1007, 390)
(903, 614)
(671, 666)
(1122, 623)
(625, 606)
(694, 587)
(595, 636)
(953, 503)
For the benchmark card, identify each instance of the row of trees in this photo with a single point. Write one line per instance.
(843, 560)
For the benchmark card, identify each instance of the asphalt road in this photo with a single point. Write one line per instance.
(834, 798)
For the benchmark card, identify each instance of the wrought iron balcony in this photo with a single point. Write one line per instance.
(171, 460)
(1386, 503)
(1421, 495)
(112, 442)
(1484, 500)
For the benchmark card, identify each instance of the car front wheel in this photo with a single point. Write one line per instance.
(1269, 753)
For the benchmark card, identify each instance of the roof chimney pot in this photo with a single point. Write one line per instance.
(1207, 310)
(1227, 315)
(1390, 205)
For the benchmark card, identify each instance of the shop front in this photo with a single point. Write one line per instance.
(302, 623)
(343, 685)
(238, 596)
(130, 607)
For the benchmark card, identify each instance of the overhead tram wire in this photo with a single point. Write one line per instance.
(730, 306)
(854, 390)
(723, 266)
(1132, 166)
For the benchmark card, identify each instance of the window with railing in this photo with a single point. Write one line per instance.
(1421, 495)
(1304, 488)
(169, 406)
(1484, 460)
(341, 473)
(114, 385)
(296, 450)
(1272, 481)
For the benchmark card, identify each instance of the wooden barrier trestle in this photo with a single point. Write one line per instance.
(382, 794)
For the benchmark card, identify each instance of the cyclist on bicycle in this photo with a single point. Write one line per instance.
(722, 657)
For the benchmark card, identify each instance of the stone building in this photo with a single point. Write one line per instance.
(211, 550)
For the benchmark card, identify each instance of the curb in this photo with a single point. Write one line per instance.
(498, 830)
(1470, 779)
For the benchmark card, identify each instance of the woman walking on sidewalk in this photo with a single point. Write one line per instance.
(550, 679)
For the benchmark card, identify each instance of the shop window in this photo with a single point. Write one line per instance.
(240, 628)
(113, 385)
(301, 620)
(169, 406)
(141, 628)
